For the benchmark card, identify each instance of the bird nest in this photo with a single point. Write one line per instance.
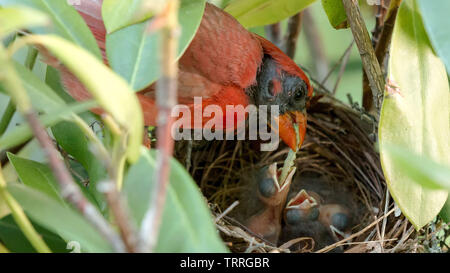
(340, 146)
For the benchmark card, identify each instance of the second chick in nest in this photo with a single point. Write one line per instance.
(306, 205)
(317, 208)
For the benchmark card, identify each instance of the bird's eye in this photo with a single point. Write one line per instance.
(299, 94)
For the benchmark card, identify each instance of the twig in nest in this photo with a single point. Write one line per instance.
(368, 57)
(230, 208)
(330, 247)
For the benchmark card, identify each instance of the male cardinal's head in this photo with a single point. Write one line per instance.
(281, 82)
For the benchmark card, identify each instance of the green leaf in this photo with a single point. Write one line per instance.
(42, 97)
(415, 114)
(15, 18)
(15, 240)
(62, 220)
(336, 13)
(36, 175)
(118, 14)
(435, 16)
(420, 169)
(22, 133)
(111, 92)
(53, 80)
(72, 139)
(187, 223)
(66, 22)
(132, 51)
(252, 13)
(40, 177)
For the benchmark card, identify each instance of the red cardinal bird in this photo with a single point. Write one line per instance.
(226, 65)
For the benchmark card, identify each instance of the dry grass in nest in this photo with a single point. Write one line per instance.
(338, 145)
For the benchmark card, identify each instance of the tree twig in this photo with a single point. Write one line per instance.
(293, 31)
(315, 45)
(344, 62)
(166, 98)
(368, 57)
(381, 48)
(386, 35)
(273, 33)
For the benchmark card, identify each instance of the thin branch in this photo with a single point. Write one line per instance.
(338, 63)
(273, 33)
(386, 35)
(315, 44)
(344, 63)
(293, 31)
(121, 215)
(368, 57)
(166, 98)
(382, 48)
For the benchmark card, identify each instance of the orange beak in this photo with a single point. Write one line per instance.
(286, 129)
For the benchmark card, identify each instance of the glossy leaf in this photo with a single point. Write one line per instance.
(15, 240)
(109, 90)
(185, 206)
(415, 114)
(132, 50)
(435, 16)
(118, 14)
(15, 18)
(36, 175)
(66, 22)
(336, 13)
(252, 13)
(62, 220)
